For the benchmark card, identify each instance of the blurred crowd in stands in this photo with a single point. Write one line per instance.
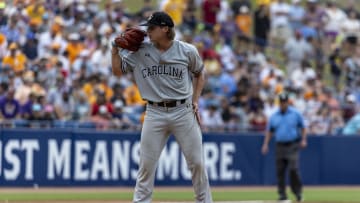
(56, 70)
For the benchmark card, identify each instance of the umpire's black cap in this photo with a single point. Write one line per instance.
(283, 97)
(159, 18)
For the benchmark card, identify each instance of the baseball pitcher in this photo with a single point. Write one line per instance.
(170, 76)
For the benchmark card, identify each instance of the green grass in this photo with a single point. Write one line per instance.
(28, 196)
(330, 195)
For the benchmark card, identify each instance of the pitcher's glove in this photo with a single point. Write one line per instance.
(130, 39)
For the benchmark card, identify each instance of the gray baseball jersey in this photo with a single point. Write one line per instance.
(163, 76)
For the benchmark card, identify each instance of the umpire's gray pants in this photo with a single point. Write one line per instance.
(287, 157)
(159, 123)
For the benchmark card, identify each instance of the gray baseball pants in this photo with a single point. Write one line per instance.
(159, 123)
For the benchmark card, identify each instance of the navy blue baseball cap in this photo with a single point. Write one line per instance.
(159, 18)
(283, 97)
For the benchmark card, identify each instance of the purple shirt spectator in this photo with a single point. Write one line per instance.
(9, 107)
(26, 109)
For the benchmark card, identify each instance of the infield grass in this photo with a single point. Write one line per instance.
(311, 194)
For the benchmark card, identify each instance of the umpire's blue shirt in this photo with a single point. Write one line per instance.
(286, 126)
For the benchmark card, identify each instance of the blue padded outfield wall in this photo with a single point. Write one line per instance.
(85, 158)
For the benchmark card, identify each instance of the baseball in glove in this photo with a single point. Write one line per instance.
(130, 39)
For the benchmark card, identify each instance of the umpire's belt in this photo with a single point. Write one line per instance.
(172, 103)
(288, 142)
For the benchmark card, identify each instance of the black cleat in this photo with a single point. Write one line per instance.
(283, 198)
(299, 198)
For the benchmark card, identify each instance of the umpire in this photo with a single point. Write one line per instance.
(287, 124)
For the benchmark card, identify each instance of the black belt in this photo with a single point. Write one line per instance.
(172, 103)
(289, 142)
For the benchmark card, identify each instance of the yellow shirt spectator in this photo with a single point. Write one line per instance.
(175, 9)
(244, 20)
(89, 90)
(35, 12)
(74, 50)
(132, 96)
(74, 47)
(15, 60)
(107, 90)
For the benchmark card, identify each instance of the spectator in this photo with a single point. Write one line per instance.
(296, 50)
(210, 10)
(82, 108)
(49, 113)
(351, 26)
(104, 87)
(100, 64)
(335, 61)
(269, 107)
(224, 12)
(297, 14)
(64, 105)
(237, 4)
(4, 86)
(308, 31)
(29, 85)
(74, 47)
(55, 51)
(244, 20)
(83, 62)
(262, 25)
(36, 11)
(9, 106)
(11, 30)
(90, 41)
(255, 103)
(334, 18)
(16, 60)
(120, 119)
(228, 29)
(336, 122)
(257, 120)
(351, 7)
(89, 88)
(102, 118)
(146, 10)
(37, 118)
(229, 116)
(279, 20)
(132, 95)
(3, 16)
(320, 125)
(211, 119)
(352, 127)
(30, 47)
(349, 107)
(302, 74)
(51, 38)
(314, 14)
(26, 108)
(352, 69)
(190, 21)
(175, 9)
(100, 102)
